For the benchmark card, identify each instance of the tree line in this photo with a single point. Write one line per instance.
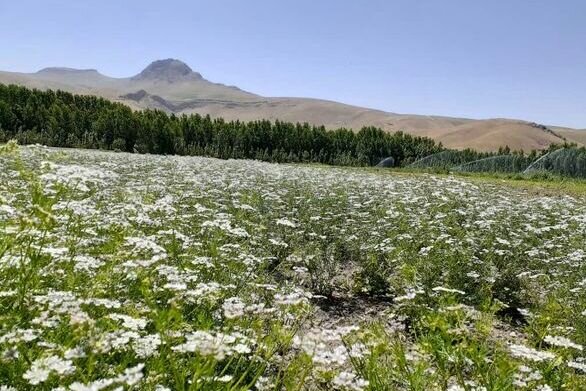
(62, 119)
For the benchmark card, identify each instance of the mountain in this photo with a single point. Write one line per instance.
(172, 86)
(169, 70)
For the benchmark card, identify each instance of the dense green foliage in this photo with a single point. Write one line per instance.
(469, 160)
(61, 119)
(499, 163)
(449, 158)
(565, 161)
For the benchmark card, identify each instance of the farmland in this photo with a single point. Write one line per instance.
(187, 273)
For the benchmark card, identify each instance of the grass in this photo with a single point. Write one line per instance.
(538, 184)
(182, 273)
(546, 184)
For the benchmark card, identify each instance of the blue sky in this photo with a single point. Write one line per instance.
(479, 59)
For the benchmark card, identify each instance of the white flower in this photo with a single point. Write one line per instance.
(36, 375)
(358, 350)
(233, 308)
(577, 365)
(115, 340)
(349, 381)
(84, 263)
(292, 298)
(129, 322)
(76, 352)
(448, 290)
(59, 365)
(521, 351)
(287, 223)
(43, 367)
(147, 346)
(94, 386)
(425, 250)
(175, 286)
(562, 342)
(409, 295)
(19, 335)
(278, 243)
(218, 345)
(264, 384)
(224, 379)
(131, 375)
(241, 348)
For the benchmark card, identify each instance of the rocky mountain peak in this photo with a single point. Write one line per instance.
(169, 70)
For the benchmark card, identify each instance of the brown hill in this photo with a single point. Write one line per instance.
(173, 86)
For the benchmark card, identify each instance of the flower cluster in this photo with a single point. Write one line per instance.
(166, 272)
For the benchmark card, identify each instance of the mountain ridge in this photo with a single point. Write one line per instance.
(65, 70)
(173, 86)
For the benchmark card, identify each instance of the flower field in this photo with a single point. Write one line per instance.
(126, 271)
